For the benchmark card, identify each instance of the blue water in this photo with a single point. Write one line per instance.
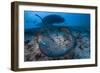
(71, 19)
(77, 23)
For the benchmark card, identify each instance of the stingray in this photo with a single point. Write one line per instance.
(53, 18)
